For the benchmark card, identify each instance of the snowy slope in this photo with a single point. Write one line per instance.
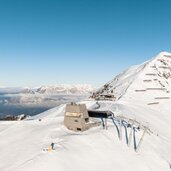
(22, 143)
(155, 73)
(147, 85)
(97, 149)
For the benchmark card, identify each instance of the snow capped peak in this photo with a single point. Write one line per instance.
(163, 53)
(153, 75)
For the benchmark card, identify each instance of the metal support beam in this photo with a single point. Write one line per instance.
(141, 140)
(103, 123)
(130, 134)
(116, 126)
(120, 130)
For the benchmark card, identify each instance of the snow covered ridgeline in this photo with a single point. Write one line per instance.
(151, 79)
(60, 89)
(51, 89)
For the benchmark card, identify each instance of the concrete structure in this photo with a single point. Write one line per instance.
(76, 117)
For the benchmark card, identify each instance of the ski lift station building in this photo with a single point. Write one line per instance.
(76, 117)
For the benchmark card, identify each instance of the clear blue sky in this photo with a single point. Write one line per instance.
(78, 41)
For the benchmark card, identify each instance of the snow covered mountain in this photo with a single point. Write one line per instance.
(150, 80)
(41, 97)
(142, 93)
(60, 89)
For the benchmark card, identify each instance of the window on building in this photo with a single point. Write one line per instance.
(72, 114)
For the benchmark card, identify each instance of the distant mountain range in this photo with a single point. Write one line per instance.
(60, 89)
(47, 96)
(51, 90)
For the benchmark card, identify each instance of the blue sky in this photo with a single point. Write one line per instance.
(78, 41)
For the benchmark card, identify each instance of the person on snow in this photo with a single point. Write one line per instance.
(52, 145)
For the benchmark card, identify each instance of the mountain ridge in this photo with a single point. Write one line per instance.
(123, 82)
(60, 89)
